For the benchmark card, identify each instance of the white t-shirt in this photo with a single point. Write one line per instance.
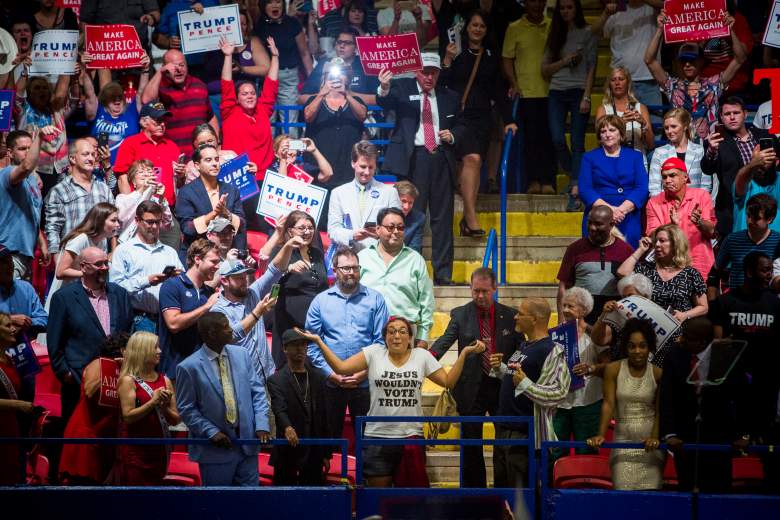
(396, 391)
(763, 117)
(591, 392)
(629, 34)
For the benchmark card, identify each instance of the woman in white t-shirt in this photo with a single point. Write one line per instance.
(396, 373)
(100, 224)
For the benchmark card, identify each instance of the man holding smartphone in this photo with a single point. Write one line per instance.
(142, 263)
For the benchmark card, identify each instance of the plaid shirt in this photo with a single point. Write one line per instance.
(67, 204)
(745, 147)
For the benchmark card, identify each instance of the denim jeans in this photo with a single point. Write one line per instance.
(648, 92)
(287, 95)
(562, 103)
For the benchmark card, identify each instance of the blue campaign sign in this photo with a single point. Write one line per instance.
(235, 172)
(24, 359)
(6, 109)
(566, 335)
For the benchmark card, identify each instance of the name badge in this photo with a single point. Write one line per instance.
(414, 97)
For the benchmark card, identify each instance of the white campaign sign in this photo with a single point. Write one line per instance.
(201, 32)
(54, 52)
(772, 32)
(664, 324)
(281, 195)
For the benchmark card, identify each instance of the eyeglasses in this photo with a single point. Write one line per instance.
(345, 42)
(392, 228)
(397, 332)
(346, 269)
(307, 229)
(151, 222)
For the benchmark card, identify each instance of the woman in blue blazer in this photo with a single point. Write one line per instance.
(205, 199)
(615, 176)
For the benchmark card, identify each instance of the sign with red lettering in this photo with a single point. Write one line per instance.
(109, 382)
(54, 52)
(113, 47)
(694, 20)
(68, 3)
(201, 32)
(296, 172)
(772, 32)
(326, 6)
(773, 75)
(281, 195)
(398, 53)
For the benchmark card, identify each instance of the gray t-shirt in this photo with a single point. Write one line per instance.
(574, 77)
(396, 391)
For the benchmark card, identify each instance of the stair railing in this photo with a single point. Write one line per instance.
(502, 227)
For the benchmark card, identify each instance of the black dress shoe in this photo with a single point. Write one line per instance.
(443, 281)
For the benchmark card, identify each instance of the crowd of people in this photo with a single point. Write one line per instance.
(123, 252)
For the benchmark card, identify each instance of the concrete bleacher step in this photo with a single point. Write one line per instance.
(530, 249)
(527, 223)
(444, 467)
(518, 271)
(516, 202)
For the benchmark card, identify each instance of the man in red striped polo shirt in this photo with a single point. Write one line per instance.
(184, 95)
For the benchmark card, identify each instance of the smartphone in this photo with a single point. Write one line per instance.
(369, 225)
(169, 270)
(766, 143)
(158, 175)
(720, 129)
(102, 139)
(275, 290)
(182, 158)
(241, 254)
(296, 145)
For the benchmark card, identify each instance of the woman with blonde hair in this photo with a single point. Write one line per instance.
(619, 100)
(677, 285)
(148, 405)
(678, 129)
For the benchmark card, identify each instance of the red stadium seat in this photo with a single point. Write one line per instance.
(265, 469)
(50, 401)
(334, 475)
(37, 470)
(255, 240)
(325, 239)
(182, 471)
(746, 472)
(670, 474)
(582, 471)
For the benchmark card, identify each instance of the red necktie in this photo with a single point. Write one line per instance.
(427, 121)
(487, 338)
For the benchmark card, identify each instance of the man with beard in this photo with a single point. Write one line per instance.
(244, 304)
(71, 199)
(81, 316)
(591, 262)
(152, 143)
(348, 317)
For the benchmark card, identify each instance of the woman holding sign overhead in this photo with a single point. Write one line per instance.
(205, 199)
(246, 125)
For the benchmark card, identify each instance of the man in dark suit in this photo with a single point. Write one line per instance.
(81, 316)
(724, 409)
(727, 153)
(298, 402)
(476, 392)
(421, 150)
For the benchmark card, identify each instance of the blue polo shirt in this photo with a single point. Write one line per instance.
(20, 212)
(179, 293)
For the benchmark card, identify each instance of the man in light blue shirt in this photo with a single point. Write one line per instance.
(142, 263)
(19, 300)
(348, 317)
(20, 201)
(244, 305)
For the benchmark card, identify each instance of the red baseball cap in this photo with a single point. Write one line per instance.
(673, 163)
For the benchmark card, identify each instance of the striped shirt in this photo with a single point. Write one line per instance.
(189, 106)
(734, 249)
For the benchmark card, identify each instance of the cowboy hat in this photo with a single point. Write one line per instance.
(8, 51)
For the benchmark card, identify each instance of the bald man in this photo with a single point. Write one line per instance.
(82, 314)
(534, 380)
(71, 199)
(184, 96)
(592, 261)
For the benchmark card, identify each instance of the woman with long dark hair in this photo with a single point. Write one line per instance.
(569, 64)
(475, 75)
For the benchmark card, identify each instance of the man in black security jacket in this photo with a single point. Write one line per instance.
(724, 410)
(421, 149)
(727, 153)
(476, 392)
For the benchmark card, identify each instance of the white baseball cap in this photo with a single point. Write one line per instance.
(430, 59)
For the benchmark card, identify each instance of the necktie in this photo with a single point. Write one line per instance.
(231, 415)
(487, 338)
(427, 121)
(362, 202)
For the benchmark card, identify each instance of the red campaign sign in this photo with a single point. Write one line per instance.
(68, 3)
(113, 47)
(297, 173)
(694, 20)
(773, 75)
(398, 53)
(326, 6)
(109, 382)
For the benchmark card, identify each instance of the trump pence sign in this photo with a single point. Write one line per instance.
(201, 32)
(281, 195)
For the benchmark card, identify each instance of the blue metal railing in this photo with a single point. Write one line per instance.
(503, 229)
(490, 259)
